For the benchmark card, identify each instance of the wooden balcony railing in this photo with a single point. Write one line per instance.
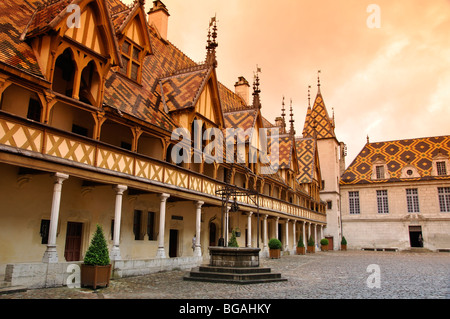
(24, 134)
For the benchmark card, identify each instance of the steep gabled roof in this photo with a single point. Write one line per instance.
(416, 153)
(306, 149)
(13, 20)
(317, 122)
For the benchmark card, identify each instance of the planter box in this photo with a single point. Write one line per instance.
(274, 253)
(95, 276)
(343, 247)
(300, 250)
(324, 247)
(311, 249)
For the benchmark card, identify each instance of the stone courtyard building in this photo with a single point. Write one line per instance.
(396, 195)
(88, 108)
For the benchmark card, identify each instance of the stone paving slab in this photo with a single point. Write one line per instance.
(323, 275)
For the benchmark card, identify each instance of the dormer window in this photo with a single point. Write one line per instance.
(441, 168)
(380, 171)
(131, 59)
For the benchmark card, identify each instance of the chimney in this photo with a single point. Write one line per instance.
(159, 17)
(242, 88)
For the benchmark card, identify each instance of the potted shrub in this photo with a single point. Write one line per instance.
(274, 248)
(300, 246)
(96, 269)
(311, 243)
(324, 244)
(233, 242)
(343, 243)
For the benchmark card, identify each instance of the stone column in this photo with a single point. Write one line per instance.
(198, 224)
(115, 251)
(286, 236)
(249, 229)
(51, 255)
(276, 227)
(226, 225)
(265, 247)
(294, 235)
(161, 253)
(315, 237)
(304, 233)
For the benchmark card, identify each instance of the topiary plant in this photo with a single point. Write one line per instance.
(324, 241)
(300, 242)
(97, 253)
(275, 243)
(310, 242)
(343, 241)
(233, 242)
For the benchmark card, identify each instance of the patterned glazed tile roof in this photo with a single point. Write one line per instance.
(13, 20)
(182, 91)
(317, 121)
(306, 149)
(45, 13)
(230, 101)
(398, 155)
(286, 144)
(145, 101)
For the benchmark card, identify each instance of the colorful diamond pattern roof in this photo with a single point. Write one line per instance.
(317, 123)
(398, 154)
(306, 149)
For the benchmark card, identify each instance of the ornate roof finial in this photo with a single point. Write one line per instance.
(283, 129)
(309, 96)
(256, 90)
(318, 81)
(292, 130)
(368, 139)
(212, 44)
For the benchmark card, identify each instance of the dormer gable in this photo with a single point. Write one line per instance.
(83, 23)
(133, 39)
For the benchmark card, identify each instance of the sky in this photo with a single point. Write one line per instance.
(384, 65)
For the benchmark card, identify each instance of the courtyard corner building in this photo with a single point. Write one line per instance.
(88, 107)
(396, 195)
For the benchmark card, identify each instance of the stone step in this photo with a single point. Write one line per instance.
(6, 288)
(236, 270)
(237, 276)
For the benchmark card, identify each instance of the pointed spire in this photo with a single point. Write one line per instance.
(256, 90)
(318, 81)
(212, 43)
(292, 130)
(309, 96)
(283, 129)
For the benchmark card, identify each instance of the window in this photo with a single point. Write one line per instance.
(79, 130)
(131, 58)
(34, 110)
(329, 204)
(353, 198)
(137, 223)
(125, 145)
(444, 199)
(441, 169)
(45, 227)
(412, 200)
(380, 172)
(151, 226)
(382, 202)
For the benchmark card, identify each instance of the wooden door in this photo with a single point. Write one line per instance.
(173, 243)
(330, 243)
(72, 251)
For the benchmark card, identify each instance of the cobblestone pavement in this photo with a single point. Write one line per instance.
(330, 275)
